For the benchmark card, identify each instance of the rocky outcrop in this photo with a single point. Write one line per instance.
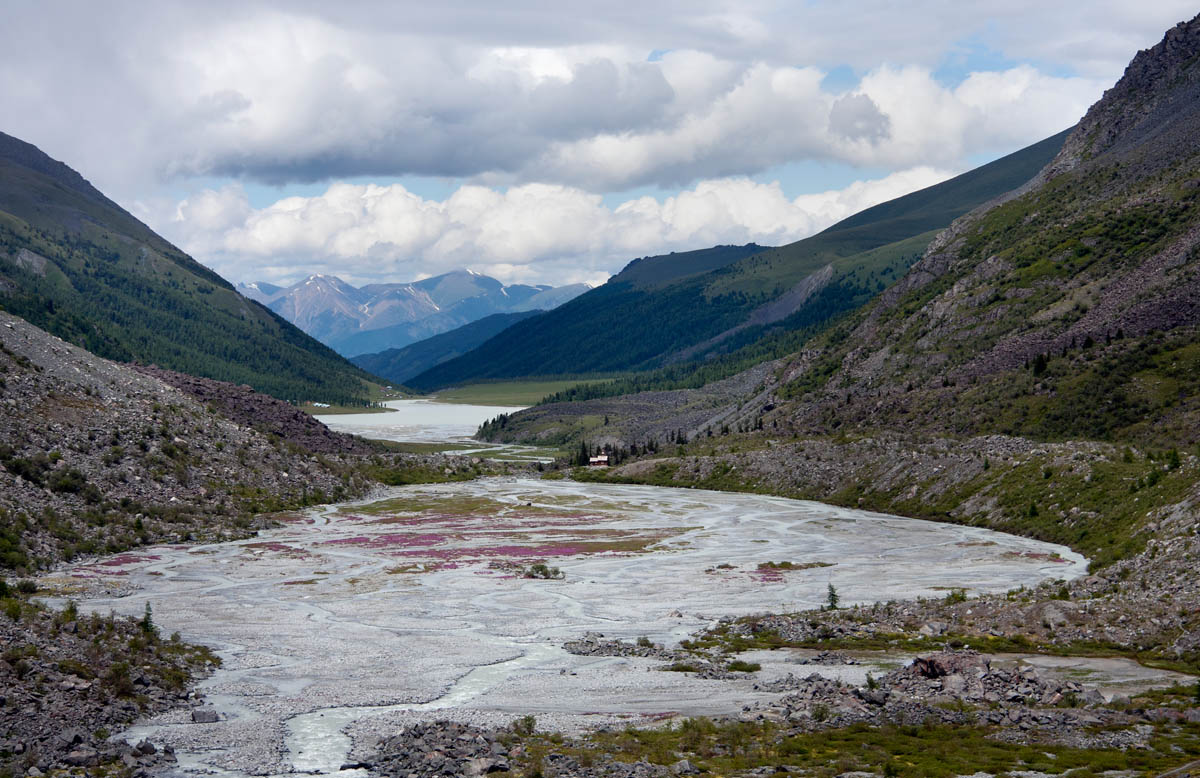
(1159, 83)
(438, 748)
(953, 687)
(594, 644)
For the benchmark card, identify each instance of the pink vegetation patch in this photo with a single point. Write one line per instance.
(403, 540)
(457, 522)
(524, 553)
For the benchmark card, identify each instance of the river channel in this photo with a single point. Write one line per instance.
(352, 619)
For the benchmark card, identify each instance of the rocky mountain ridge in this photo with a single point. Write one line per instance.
(375, 317)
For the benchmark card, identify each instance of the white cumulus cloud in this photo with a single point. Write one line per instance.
(543, 233)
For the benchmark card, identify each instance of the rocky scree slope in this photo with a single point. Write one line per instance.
(97, 457)
(262, 412)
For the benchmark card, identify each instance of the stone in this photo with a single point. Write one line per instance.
(205, 716)
(954, 684)
(480, 766)
(83, 757)
(72, 736)
(684, 767)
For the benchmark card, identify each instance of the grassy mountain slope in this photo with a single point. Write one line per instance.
(933, 208)
(697, 305)
(77, 265)
(401, 364)
(1072, 311)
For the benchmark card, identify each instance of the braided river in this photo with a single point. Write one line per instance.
(350, 620)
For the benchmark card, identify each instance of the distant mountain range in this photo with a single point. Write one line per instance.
(76, 264)
(363, 320)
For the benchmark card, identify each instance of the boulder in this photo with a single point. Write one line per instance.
(205, 716)
(950, 663)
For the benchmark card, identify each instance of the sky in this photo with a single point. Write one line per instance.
(538, 141)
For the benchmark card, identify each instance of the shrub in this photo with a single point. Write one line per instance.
(70, 612)
(118, 680)
(12, 608)
(956, 596)
(542, 571)
(682, 667)
(739, 666)
(69, 480)
(147, 624)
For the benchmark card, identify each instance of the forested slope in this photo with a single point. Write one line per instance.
(77, 265)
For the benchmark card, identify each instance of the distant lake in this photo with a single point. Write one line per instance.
(425, 421)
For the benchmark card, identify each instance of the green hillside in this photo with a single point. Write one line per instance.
(1070, 312)
(660, 311)
(77, 265)
(614, 327)
(933, 208)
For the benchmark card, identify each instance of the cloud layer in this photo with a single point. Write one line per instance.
(548, 92)
(545, 233)
(532, 111)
